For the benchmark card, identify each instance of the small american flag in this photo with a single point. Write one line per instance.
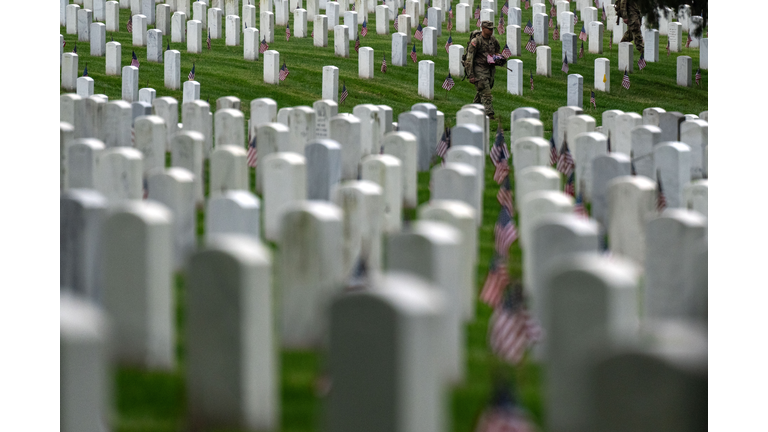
(551, 23)
(556, 33)
(450, 10)
(85, 71)
(287, 32)
(448, 83)
(583, 33)
(512, 330)
(505, 232)
(208, 40)
(581, 50)
(191, 75)
(506, 52)
(604, 18)
(552, 151)
(344, 94)
(384, 64)
(578, 208)
(505, 8)
(668, 51)
(445, 143)
(134, 59)
(413, 53)
(449, 26)
(531, 45)
(479, 22)
(688, 42)
(499, 150)
(575, 19)
(527, 4)
(565, 64)
(419, 35)
(565, 161)
(264, 45)
(448, 43)
(505, 195)
(129, 25)
(531, 80)
(477, 13)
(698, 76)
(63, 44)
(641, 63)
(503, 419)
(396, 18)
(500, 28)
(632, 169)
(592, 99)
(253, 156)
(625, 81)
(552, 12)
(528, 28)
(661, 200)
(495, 283)
(502, 170)
(357, 44)
(364, 31)
(570, 187)
(489, 58)
(283, 72)
(425, 21)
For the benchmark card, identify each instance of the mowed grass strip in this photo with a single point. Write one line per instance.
(155, 401)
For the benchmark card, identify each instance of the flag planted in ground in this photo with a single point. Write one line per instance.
(505, 232)
(565, 160)
(384, 64)
(688, 42)
(698, 76)
(445, 142)
(552, 151)
(283, 72)
(450, 10)
(592, 99)
(419, 35)
(208, 40)
(641, 63)
(396, 16)
(477, 13)
(344, 93)
(505, 8)
(556, 33)
(668, 51)
(413, 53)
(578, 208)
(191, 75)
(85, 71)
(506, 52)
(531, 45)
(583, 33)
(581, 50)
(364, 31)
(448, 43)
(449, 26)
(287, 32)
(500, 27)
(505, 195)
(528, 28)
(661, 199)
(502, 170)
(135, 60)
(625, 80)
(264, 45)
(499, 149)
(531, 80)
(448, 83)
(512, 330)
(129, 25)
(565, 64)
(575, 20)
(496, 281)
(253, 157)
(357, 44)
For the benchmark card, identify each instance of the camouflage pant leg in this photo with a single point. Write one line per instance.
(634, 32)
(484, 95)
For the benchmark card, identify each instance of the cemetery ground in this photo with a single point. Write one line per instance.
(154, 401)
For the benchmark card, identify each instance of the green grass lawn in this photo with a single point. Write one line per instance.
(155, 401)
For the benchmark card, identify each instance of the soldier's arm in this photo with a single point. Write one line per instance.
(470, 66)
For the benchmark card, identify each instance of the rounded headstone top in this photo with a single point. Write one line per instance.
(576, 224)
(456, 208)
(87, 197)
(90, 142)
(638, 182)
(385, 159)
(668, 145)
(322, 210)
(437, 232)
(684, 216)
(679, 341)
(345, 117)
(80, 319)
(233, 150)
(246, 249)
(229, 112)
(400, 136)
(613, 271)
(554, 197)
(243, 198)
(125, 152)
(406, 292)
(149, 211)
(471, 150)
(539, 171)
(366, 187)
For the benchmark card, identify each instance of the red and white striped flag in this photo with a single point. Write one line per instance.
(135, 60)
(344, 94)
(500, 27)
(552, 151)
(253, 157)
(287, 32)
(556, 33)
(495, 283)
(688, 42)
(528, 28)
(419, 35)
(357, 44)
(578, 208)
(448, 44)
(565, 64)
(512, 330)
(449, 26)
(505, 8)
(445, 142)
(364, 31)
(531, 80)
(477, 13)
(531, 46)
(448, 83)
(384, 64)
(129, 25)
(641, 63)
(581, 50)
(625, 81)
(592, 99)
(505, 196)
(565, 161)
(505, 232)
(506, 52)
(570, 187)
(698, 76)
(283, 72)
(263, 46)
(583, 33)
(413, 53)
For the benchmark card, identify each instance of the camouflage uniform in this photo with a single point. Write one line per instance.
(628, 9)
(477, 66)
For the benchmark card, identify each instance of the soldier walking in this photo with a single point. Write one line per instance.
(628, 11)
(479, 71)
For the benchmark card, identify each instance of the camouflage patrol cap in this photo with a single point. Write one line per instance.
(487, 25)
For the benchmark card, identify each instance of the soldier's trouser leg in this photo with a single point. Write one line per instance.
(634, 32)
(484, 95)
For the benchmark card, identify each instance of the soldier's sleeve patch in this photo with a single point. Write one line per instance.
(473, 43)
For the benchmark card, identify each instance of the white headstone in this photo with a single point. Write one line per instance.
(228, 169)
(631, 204)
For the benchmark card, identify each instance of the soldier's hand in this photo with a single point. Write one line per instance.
(626, 21)
(472, 79)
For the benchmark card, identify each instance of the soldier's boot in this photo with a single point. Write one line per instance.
(487, 100)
